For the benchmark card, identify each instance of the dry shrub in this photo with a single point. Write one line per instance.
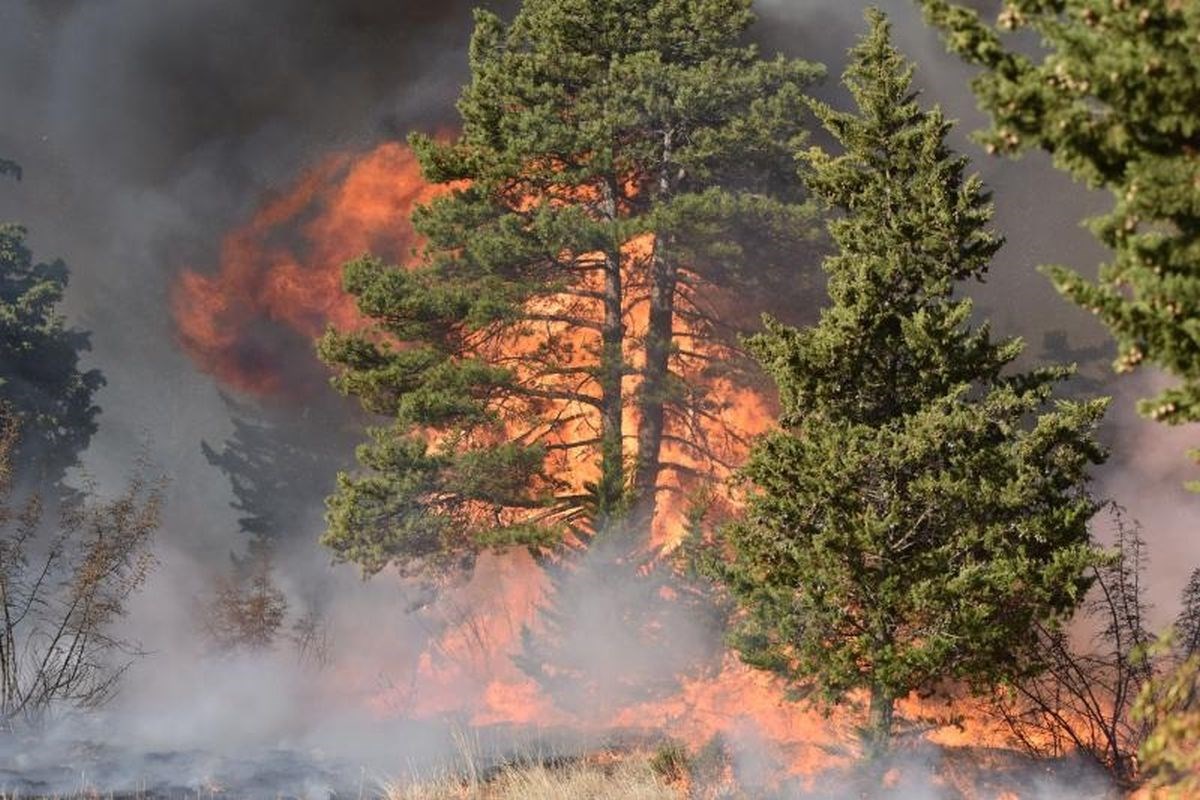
(310, 635)
(626, 779)
(1082, 693)
(63, 588)
(671, 762)
(1086, 696)
(245, 613)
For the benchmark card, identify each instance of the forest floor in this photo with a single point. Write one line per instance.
(622, 770)
(670, 773)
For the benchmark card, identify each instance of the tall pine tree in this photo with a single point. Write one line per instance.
(919, 507)
(612, 155)
(1114, 97)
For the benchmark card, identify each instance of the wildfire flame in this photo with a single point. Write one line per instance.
(283, 268)
(282, 271)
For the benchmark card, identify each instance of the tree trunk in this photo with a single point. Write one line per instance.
(8, 661)
(655, 385)
(656, 375)
(611, 487)
(879, 721)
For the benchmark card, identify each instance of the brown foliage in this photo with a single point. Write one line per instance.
(63, 587)
(245, 613)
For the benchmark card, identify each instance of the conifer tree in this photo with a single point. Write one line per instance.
(919, 507)
(270, 460)
(1114, 97)
(1187, 623)
(610, 156)
(41, 383)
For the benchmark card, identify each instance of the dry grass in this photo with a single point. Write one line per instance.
(626, 779)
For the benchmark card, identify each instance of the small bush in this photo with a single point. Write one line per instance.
(245, 614)
(671, 761)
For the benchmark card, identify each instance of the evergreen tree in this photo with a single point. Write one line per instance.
(612, 155)
(919, 508)
(1115, 99)
(278, 464)
(40, 378)
(1169, 706)
(1187, 623)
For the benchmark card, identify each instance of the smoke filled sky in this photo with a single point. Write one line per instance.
(147, 129)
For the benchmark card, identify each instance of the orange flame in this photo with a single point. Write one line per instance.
(284, 266)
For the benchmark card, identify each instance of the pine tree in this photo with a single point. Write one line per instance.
(1169, 706)
(1187, 623)
(272, 459)
(40, 379)
(612, 153)
(919, 508)
(1115, 99)
(276, 465)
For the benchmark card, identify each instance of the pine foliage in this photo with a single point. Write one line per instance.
(611, 154)
(921, 506)
(1114, 97)
(41, 381)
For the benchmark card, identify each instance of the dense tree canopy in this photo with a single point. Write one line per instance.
(555, 336)
(1114, 97)
(921, 506)
(40, 377)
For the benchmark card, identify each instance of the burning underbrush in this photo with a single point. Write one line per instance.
(432, 701)
(424, 703)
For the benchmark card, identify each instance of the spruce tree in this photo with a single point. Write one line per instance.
(41, 383)
(921, 505)
(1114, 97)
(611, 153)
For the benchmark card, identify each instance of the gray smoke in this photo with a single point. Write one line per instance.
(146, 130)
